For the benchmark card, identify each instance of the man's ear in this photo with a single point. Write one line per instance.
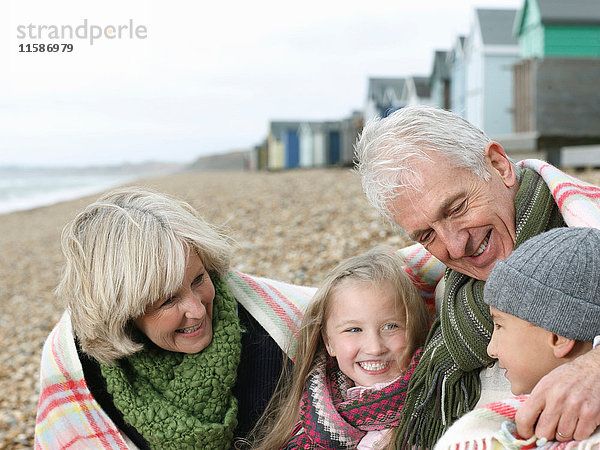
(561, 346)
(500, 163)
(327, 345)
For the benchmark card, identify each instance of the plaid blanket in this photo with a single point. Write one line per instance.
(69, 417)
(578, 202)
(493, 427)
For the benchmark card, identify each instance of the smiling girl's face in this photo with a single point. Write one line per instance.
(366, 331)
(183, 322)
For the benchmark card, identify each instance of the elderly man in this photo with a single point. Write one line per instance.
(453, 190)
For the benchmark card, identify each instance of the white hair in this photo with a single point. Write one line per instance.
(388, 148)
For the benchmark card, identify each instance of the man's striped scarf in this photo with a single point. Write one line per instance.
(446, 383)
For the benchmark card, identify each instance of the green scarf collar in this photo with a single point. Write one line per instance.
(178, 400)
(446, 383)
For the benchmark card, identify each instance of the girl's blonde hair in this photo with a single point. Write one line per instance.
(380, 264)
(124, 252)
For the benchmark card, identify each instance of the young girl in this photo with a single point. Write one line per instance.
(357, 348)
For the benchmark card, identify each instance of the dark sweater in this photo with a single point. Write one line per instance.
(259, 370)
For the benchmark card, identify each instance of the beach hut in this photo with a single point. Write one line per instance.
(351, 127)
(282, 135)
(556, 28)
(439, 81)
(456, 66)
(274, 151)
(557, 99)
(320, 144)
(416, 91)
(261, 157)
(333, 141)
(307, 144)
(334, 154)
(490, 52)
(291, 144)
(275, 158)
(383, 95)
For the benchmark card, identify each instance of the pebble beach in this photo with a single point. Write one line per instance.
(293, 226)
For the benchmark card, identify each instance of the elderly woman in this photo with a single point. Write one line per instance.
(162, 344)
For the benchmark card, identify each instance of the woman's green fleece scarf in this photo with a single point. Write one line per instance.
(178, 400)
(446, 383)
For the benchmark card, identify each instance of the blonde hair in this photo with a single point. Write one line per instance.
(377, 265)
(124, 252)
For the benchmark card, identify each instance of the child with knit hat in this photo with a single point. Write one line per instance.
(545, 303)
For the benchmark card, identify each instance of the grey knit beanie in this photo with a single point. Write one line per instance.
(553, 281)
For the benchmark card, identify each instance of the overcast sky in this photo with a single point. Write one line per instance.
(200, 77)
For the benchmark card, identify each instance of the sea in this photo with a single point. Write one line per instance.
(23, 188)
